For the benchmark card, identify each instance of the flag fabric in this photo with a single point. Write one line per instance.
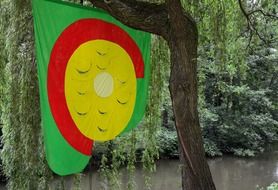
(93, 78)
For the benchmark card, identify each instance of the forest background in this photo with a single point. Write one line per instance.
(237, 86)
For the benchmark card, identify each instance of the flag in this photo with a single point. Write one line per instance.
(93, 79)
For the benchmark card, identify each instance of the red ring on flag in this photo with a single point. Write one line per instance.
(71, 38)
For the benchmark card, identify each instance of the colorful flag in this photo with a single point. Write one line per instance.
(93, 77)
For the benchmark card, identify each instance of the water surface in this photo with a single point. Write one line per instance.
(229, 173)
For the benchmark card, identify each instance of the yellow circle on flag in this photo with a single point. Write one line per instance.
(100, 89)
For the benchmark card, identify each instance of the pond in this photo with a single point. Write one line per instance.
(229, 173)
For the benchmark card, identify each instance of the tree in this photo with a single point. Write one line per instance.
(178, 28)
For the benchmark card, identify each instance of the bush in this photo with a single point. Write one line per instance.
(211, 148)
(273, 186)
(167, 141)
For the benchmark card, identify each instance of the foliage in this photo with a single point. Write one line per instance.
(273, 186)
(237, 77)
(211, 148)
(237, 99)
(167, 143)
(22, 155)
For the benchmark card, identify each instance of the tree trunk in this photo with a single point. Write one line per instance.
(180, 31)
(183, 41)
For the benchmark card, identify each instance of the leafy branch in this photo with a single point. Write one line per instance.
(251, 22)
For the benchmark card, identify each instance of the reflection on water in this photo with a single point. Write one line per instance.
(229, 173)
(276, 173)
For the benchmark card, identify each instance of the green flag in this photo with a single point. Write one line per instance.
(93, 78)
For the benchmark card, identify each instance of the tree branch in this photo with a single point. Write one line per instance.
(144, 16)
(251, 21)
(178, 16)
(273, 16)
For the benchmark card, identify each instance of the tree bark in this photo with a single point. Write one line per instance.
(183, 41)
(177, 27)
